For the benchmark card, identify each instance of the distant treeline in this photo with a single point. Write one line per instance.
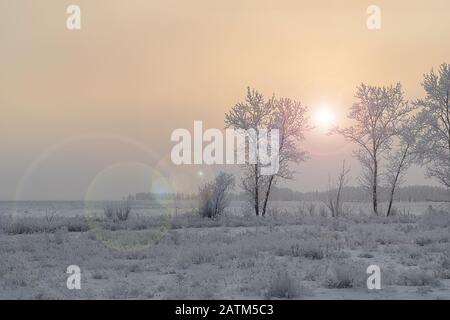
(358, 194)
(350, 194)
(162, 196)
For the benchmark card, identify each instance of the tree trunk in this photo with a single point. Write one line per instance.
(267, 196)
(338, 200)
(374, 186)
(256, 190)
(391, 199)
(394, 183)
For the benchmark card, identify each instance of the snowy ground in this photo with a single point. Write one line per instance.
(298, 254)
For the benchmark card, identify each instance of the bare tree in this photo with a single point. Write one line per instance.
(377, 113)
(254, 113)
(290, 119)
(399, 159)
(284, 114)
(334, 193)
(434, 139)
(214, 196)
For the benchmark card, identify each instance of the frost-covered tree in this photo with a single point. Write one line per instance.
(400, 157)
(376, 116)
(434, 139)
(286, 115)
(255, 112)
(289, 117)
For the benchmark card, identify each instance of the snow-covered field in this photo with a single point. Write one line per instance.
(296, 252)
(153, 208)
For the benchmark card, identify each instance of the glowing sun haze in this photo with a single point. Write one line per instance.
(324, 117)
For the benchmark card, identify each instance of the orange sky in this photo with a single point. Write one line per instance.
(74, 103)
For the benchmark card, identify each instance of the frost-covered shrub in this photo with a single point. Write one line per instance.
(311, 209)
(309, 250)
(118, 212)
(285, 287)
(444, 266)
(246, 263)
(422, 241)
(176, 237)
(77, 224)
(126, 291)
(30, 225)
(98, 275)
(18, 227)
(192, 220)
(60, 235)
(339, 224)
(196, 255)
(417, 278)
(135, 268)
(213, 196)
(346, 275)
(434, 219)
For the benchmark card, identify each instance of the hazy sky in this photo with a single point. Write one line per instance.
(89, 113)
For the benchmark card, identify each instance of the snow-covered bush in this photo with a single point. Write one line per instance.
(417, 278)
(213, 196)
(444, 266)
(61, 235)
(285, 287)
(118, 212)
(434, 219)
(346, 275)
(309, 250)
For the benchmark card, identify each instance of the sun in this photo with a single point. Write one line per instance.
(324, 117)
